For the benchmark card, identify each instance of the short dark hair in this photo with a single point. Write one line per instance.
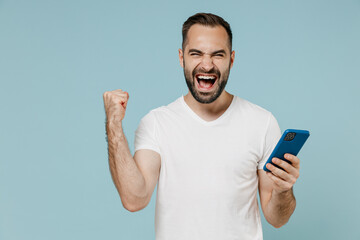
(205, 19)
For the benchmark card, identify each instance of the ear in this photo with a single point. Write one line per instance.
(181, 58)
(232, 58)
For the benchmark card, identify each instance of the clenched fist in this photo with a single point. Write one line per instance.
(115, 105)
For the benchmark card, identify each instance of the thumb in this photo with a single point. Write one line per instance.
(127, 98)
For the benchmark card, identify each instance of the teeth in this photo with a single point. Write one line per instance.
(206, 77)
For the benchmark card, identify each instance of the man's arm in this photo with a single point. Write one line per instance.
(276, 190)
(134, 178)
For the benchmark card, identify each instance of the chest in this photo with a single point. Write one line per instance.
(223, 152)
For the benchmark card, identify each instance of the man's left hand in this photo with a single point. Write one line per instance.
(284, 180)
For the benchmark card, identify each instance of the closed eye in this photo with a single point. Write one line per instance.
(195, 52)
(219, 53)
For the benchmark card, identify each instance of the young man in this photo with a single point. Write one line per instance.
(205, 150)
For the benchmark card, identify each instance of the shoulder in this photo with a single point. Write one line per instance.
(251, 110)
(172, 108)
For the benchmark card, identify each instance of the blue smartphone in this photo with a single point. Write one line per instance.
(291, 142)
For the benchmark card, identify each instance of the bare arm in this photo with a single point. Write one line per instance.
(134, 178)
(276, 190)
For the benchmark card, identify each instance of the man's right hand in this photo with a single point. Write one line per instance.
(135, 177)
(115, 104)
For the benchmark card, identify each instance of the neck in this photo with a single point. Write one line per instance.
(210, 111)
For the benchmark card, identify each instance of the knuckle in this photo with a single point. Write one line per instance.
(275, 170)
(286, 165)
(278, 181)
(276, 161)
(278, 173)
(282, 163)
(292, 180)
(271, 167)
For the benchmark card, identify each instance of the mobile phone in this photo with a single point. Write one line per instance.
(291, 142)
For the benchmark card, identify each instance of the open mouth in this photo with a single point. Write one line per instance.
(205, 82)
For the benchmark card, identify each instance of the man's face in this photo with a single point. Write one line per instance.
(206, 59)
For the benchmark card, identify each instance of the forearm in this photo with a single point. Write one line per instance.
(280, 207)
(127, 178)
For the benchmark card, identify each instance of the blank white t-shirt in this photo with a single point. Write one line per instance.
(207, 188)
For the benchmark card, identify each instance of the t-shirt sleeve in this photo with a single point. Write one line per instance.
(272, 136)
(145, 134)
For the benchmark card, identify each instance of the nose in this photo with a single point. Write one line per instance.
(207, 63)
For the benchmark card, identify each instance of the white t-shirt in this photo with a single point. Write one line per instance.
(207, 188)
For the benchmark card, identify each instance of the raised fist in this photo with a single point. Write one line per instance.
(115, 104)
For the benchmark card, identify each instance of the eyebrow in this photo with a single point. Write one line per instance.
(213, 53)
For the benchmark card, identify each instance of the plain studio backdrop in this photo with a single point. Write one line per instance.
(298, 59)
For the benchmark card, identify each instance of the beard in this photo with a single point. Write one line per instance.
(206, 97)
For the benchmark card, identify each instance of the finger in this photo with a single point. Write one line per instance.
(295, 161)
(280, 183)
(113, 101)
(290, 169)
(117, 93)
(280, 173)
(127, 98)
(120, 93)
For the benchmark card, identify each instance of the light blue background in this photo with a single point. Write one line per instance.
(298, 59)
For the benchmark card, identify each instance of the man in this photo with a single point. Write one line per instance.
(205, 150)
